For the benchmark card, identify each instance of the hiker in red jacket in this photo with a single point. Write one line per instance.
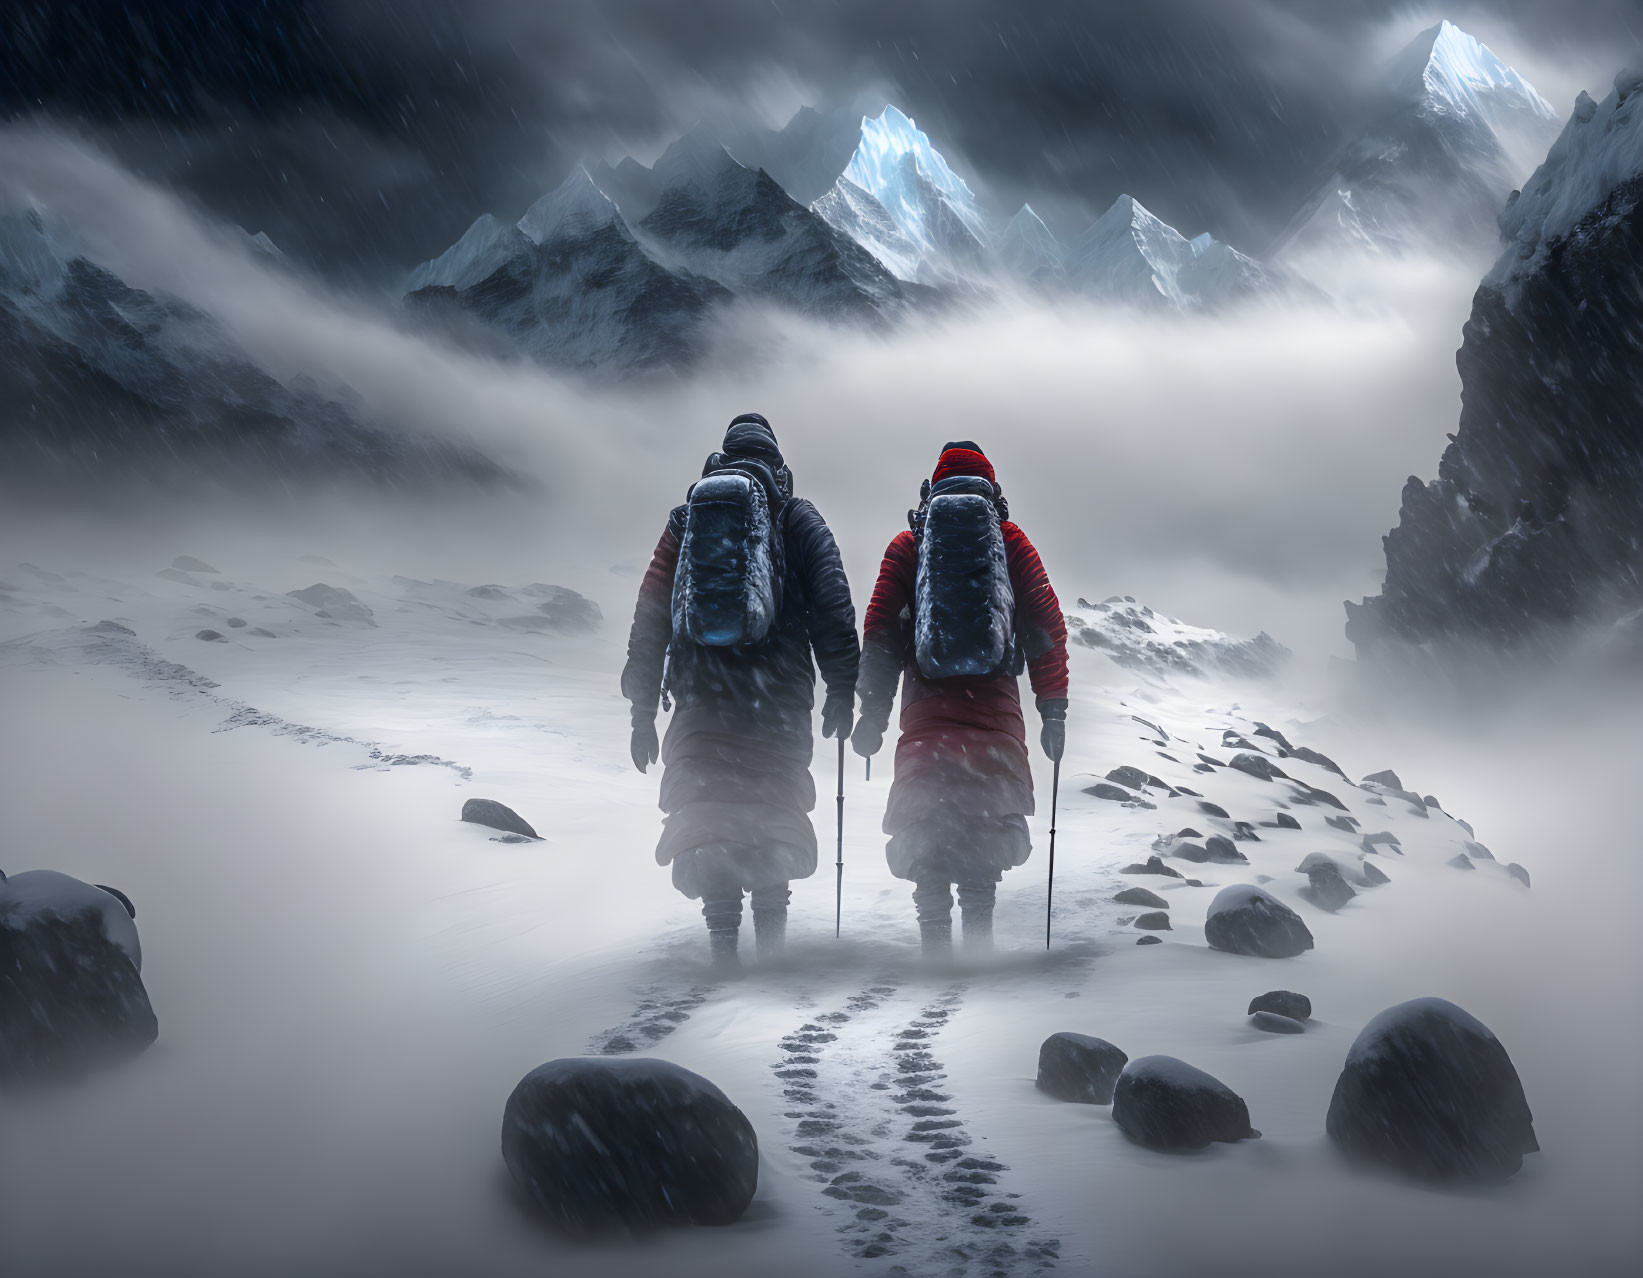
(961, 607)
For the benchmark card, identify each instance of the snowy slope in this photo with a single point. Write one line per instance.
(1129, 255)
(436, 966)
(852, 212)
(896, 164)
(570, 286)
(1026, 248)
(1136, 638)
(102, 381)
(1454, 132)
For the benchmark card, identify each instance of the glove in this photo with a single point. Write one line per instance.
(838, 713)
(867, 738)
(645, 748)
(1054, 735)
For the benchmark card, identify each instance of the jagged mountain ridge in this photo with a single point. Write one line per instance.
(102, 381)
(1532, 523)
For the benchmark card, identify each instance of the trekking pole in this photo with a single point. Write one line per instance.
(838, 882)
(1049, 896)
(869, 775)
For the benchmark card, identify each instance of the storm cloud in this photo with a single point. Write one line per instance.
(364, 135)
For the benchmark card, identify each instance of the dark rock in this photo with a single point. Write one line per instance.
(1234, 740)
(1193, 882)
(1164, 1103)
(1212, 809)
(1191, 794)
(187, 563)
(261, 633)
(1149, 940)
(1327, 887)
(1134, 778)
(1321, 760)
(1273, 1023)
(1154, 921)
(1376, 800)
(1209, 762)
(1430, 1092)
(1101, 790)
(1373, 875)
(1286, 822)
(71, 992)
(1140, 896)
(1244, 832)
(497, 594)
(1245, 919)
(238, 623)
(1257, 765)
(1220, 849)
(603, 1144)
(1262, 730)
(1187, 850)
(1518, 873)
(1153, 865)
(1297, 1007)
(1467, 826)
(1347, 823)
(1478, 852)
(1389, 779)
(210, 636)
(1079, 1068)
(1461, 862)
(1202, 767)
(497, 816)
(1430, 802)
(1187, 832)
(1384, 838)
(333, 601)
(1311, 794)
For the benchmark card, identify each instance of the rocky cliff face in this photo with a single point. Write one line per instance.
(1535, 521)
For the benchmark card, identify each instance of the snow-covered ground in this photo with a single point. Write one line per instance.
(349, 981)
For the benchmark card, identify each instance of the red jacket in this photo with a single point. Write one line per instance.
(963, 747)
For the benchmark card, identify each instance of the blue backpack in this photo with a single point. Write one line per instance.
(964, 604)
(727, 586)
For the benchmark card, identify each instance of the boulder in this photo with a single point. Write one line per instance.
(334, 602)
(1518, 873)
(1164, 1103)
(1286, 822)
(1244, 832)
(1212, 809)
(1273, 1023)
(1153, 921)
(1187, 850)
(1154, 865)
(1385, 838)
(1103, 790)
(1326, 887)
(1149, 939)
(1461, 861)
(1140, 896)
(1372, 874)
(71, 990)
(1272, 734)
(1321, 760)
(1209, 762)
(1222, 851)
(237, 623)
(210, 636)
(1389, 779)
(187, 563)
(1478, 852)
(1079, 1068)
(1298, 1007)
(1347, 823)
(1134, 778)
(603, 1144)
(1257, 765)
(1245, 919)
(497, 816)
(1428, 1091)
(1311, 795)
(1187, 832)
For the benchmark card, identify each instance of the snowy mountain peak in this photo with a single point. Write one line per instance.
(1450, 72)
(1130, 255)
(35, 249)
(484, 247)
(697, 159)
(1027, 247)
(573, 209)
(895, 163)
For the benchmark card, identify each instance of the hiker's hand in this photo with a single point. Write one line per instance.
(645, 748)
(838, 713)
(867, 738)
(1054, 736)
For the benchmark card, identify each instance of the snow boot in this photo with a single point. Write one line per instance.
(724, 922)
(770, 921)
(975, 903)
(933, 898)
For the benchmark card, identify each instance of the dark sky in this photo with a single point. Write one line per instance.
(364, 135)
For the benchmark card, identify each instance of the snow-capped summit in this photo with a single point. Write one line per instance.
(574, 208)
(1129, 255)
(1599, 150)
(1453, 130)
(1026, 248)
(895, 163)
(852, 211)
(483, 249)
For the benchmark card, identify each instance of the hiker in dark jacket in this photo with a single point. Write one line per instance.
(963, 787)
(736, 782)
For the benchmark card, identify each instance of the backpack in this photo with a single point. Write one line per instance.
(963, 602)
(727, 586)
